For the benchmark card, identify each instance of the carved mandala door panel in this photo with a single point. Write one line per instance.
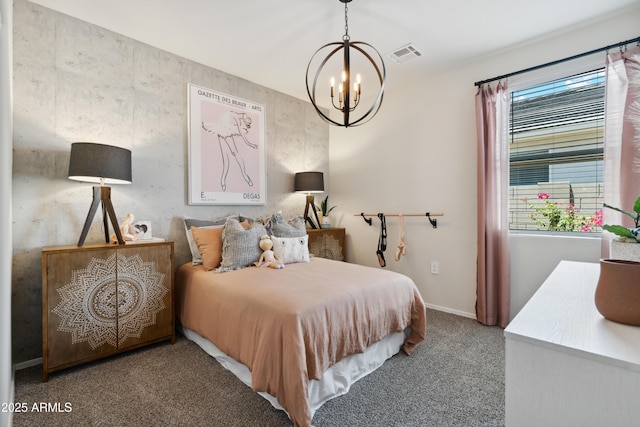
(145, 309)
(74, 298)
(327, 243)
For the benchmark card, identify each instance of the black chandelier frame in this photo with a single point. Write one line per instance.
(344, 107)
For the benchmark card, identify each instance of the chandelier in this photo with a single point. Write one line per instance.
(347, 98)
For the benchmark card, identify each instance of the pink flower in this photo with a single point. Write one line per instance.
(543, 196)
(598, 219)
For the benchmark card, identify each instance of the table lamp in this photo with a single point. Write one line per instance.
(309, 182)
(103, 164)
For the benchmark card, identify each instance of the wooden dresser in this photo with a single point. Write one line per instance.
(100, 300)
(327, 243)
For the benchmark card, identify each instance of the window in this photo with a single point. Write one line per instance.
(556, 132)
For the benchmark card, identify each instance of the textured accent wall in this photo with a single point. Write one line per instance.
(74, 81)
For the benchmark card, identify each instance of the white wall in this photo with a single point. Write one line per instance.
(418, 154)
(6, 101)
(534, 256)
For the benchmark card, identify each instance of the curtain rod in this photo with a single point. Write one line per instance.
(559, 61)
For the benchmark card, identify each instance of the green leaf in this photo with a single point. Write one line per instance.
(324, 207)
(631, 214)
(636, 206)
(618, 230)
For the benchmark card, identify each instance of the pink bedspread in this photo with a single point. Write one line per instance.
(288, 326)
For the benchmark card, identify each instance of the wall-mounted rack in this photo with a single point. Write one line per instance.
(433, 221)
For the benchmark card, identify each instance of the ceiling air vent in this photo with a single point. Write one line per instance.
(404, 54)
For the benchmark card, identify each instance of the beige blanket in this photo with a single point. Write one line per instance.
(288, 326)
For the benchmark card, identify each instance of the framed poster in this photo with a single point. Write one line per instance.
(226, 149)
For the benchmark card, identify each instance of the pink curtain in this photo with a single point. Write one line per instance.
(493, 281)
(622, 138)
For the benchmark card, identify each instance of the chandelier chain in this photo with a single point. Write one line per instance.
(346, 24)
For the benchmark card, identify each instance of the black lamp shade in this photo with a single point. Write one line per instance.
(309, 182)
(100, 163)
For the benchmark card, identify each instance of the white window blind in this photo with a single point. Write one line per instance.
(556, 131)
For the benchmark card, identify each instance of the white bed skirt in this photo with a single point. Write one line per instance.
(335, 381)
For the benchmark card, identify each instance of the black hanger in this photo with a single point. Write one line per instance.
(382, 240)
(433, 221)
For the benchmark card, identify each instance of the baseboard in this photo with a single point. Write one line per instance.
(452, 311)
(27, 364)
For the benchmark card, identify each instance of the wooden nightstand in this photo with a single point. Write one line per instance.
(327, 243)
(100, 300)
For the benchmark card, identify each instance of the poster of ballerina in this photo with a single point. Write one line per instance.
(226, 149)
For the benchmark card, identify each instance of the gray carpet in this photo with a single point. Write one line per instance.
(454, 378)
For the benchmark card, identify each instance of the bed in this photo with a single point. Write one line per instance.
(302, 334)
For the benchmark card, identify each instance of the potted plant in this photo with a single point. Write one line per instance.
(325, 210)
(619, 248)
(617, 294)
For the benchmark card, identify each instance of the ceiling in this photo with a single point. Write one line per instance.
(270, 42)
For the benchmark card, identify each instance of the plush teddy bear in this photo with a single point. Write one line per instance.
(269, 257)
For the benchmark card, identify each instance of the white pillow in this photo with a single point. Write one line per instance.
(291, 249)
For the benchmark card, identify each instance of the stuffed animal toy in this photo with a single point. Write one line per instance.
(269, 257)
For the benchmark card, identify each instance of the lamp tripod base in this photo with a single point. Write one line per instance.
(102, 196)
(307, 218)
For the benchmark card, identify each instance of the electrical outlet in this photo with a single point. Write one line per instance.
(435, 267)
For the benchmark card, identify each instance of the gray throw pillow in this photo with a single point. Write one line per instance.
(277, 226)
(240, 247)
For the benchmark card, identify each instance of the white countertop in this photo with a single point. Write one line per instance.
(562, 315)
